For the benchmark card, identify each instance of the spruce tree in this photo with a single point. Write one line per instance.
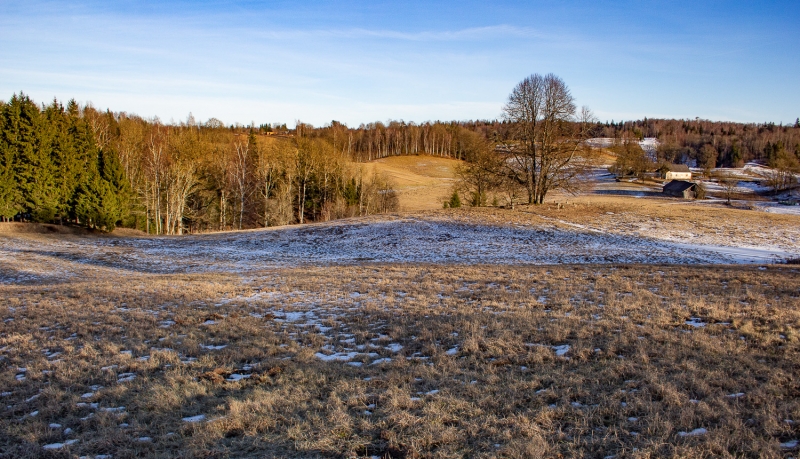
(10, 199)
(67, 155)
(29, 137)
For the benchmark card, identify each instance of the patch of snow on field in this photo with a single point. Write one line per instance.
(775, 208)
(561, 350)
(394, 347)
(53, 446)
(212, 347)
(791, 444)
(695, 322)
(694, 433)
(339, 356)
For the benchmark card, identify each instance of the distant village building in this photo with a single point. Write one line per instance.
(681, 189)
(676, 172)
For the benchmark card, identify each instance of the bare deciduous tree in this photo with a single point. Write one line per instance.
(785, 165)
(728, 184)
(240, 177)
(268, 171)
(482, 172)
(154, 173)
(305, 165)
(550, 135)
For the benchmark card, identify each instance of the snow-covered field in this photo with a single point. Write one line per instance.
(420, 238)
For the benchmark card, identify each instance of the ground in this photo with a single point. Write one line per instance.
(422, 182)
(612, 324)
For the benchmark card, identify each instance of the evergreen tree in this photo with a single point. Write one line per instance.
(102, 201)
(455, 200)
(10, 199)
(28, 135)
(68, 153)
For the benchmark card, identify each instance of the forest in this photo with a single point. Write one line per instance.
(102, 169)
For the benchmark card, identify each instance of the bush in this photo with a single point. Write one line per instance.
(455, 200)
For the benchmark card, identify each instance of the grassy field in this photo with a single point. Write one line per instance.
(422, 182)
(405, 361)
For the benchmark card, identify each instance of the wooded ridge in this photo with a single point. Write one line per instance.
(106, 169)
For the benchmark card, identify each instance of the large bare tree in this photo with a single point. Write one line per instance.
(550, 133)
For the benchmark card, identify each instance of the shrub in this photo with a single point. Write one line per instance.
(455, 200)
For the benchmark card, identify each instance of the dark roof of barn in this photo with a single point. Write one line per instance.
(678, 186)
(678, 168)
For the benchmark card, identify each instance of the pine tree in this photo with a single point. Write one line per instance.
(29, 137)
(10, 199)
(68, 153)
(97, 203)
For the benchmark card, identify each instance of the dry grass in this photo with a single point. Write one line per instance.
(635, 375)
(422, 182)
(9, 228)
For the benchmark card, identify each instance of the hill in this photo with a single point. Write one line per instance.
(422, 182)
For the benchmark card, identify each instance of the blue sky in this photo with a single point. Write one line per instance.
(358, 61)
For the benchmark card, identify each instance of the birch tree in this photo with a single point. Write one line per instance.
(240, 176)
(305, 164)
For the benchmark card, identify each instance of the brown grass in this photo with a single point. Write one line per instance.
(422, 182)
(41, 228)
(636, 373)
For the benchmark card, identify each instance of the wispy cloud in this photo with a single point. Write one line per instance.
(467, 34)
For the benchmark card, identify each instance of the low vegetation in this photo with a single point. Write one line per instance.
(384, 360)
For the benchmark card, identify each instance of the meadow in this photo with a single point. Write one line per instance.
(394, 360)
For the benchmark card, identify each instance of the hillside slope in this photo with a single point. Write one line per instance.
(422, 182)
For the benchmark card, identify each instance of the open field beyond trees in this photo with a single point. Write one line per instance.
(604, 325)
(422, 182)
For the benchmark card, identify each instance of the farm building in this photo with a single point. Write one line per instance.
(680, 189)
(676, 172)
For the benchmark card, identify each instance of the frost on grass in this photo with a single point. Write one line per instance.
(561, 350)
(400, 240)
(53, 446)
(694, 433)
(198, 418)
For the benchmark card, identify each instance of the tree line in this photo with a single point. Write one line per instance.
(105, 169)
(102, 169)
(712, 144)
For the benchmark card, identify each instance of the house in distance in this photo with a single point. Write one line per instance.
(676, 172)
(681, 189)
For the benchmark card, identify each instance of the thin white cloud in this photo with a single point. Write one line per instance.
(467, 34)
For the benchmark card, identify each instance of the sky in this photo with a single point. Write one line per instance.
(364, 61)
